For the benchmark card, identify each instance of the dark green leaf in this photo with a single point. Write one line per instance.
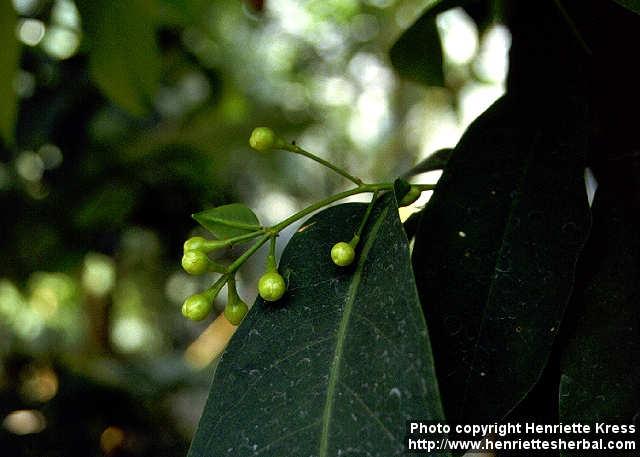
(411, 225)
(124, 60)
(435, 161)
(339, 363)
(633, 5)
(601, 365)
(9, 64)
(228, 221)
(496, 249)
(417, 54)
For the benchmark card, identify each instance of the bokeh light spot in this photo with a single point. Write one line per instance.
(39, 384)
(31, 31)
(111, 439)
(98, 274)
(60, 42)
(24, 422)
(29, 166)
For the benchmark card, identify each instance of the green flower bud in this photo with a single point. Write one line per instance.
(271, 286)
(411, 196)
(264, 139)
(195, 243)
(195, 262)
(197, 307)
(342, 254)
(236, 311)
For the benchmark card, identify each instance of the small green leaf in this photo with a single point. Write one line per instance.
(340, 362)
(124, 59)
(496, 248)
(228, 221)
(633, 5)
(600, 370)
(9, 65)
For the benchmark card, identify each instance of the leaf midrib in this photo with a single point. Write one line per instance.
(490, 291)
(334, 371)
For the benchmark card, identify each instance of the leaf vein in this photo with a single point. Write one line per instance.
(342, 334)
(257, 380)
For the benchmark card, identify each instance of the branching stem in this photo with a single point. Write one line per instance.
(298, 150)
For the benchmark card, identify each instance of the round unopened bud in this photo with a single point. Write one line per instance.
(236, 311)
(271, 286)
(195, 243)
(197, 307)
(195, 262)
(342, 254)
(264, 139)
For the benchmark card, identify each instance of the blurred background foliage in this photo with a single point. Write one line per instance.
(120, 118)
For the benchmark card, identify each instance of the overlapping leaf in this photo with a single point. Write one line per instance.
(435, 161)
(417, 54)
(601, 364)
(496, 248)
(339, 364)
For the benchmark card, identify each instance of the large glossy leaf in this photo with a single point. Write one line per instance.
(228, 221)
(124, 60)
(633, 5)
(9, 60)
(601, 363)
(496, 248)
(336, 366)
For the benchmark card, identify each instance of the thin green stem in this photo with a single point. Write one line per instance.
(356, 238)
(232, 292)
(298, 150)
(269, 233)
(215, 267)
(214, 290)
(322, 203)
(271, 257)
(248, 253)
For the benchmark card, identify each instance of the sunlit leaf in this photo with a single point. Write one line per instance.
(124, 60)
(9, 65)
(228, 221)
(340, 363)
(496, 248)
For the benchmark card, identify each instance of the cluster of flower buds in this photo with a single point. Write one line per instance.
(240, 225)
